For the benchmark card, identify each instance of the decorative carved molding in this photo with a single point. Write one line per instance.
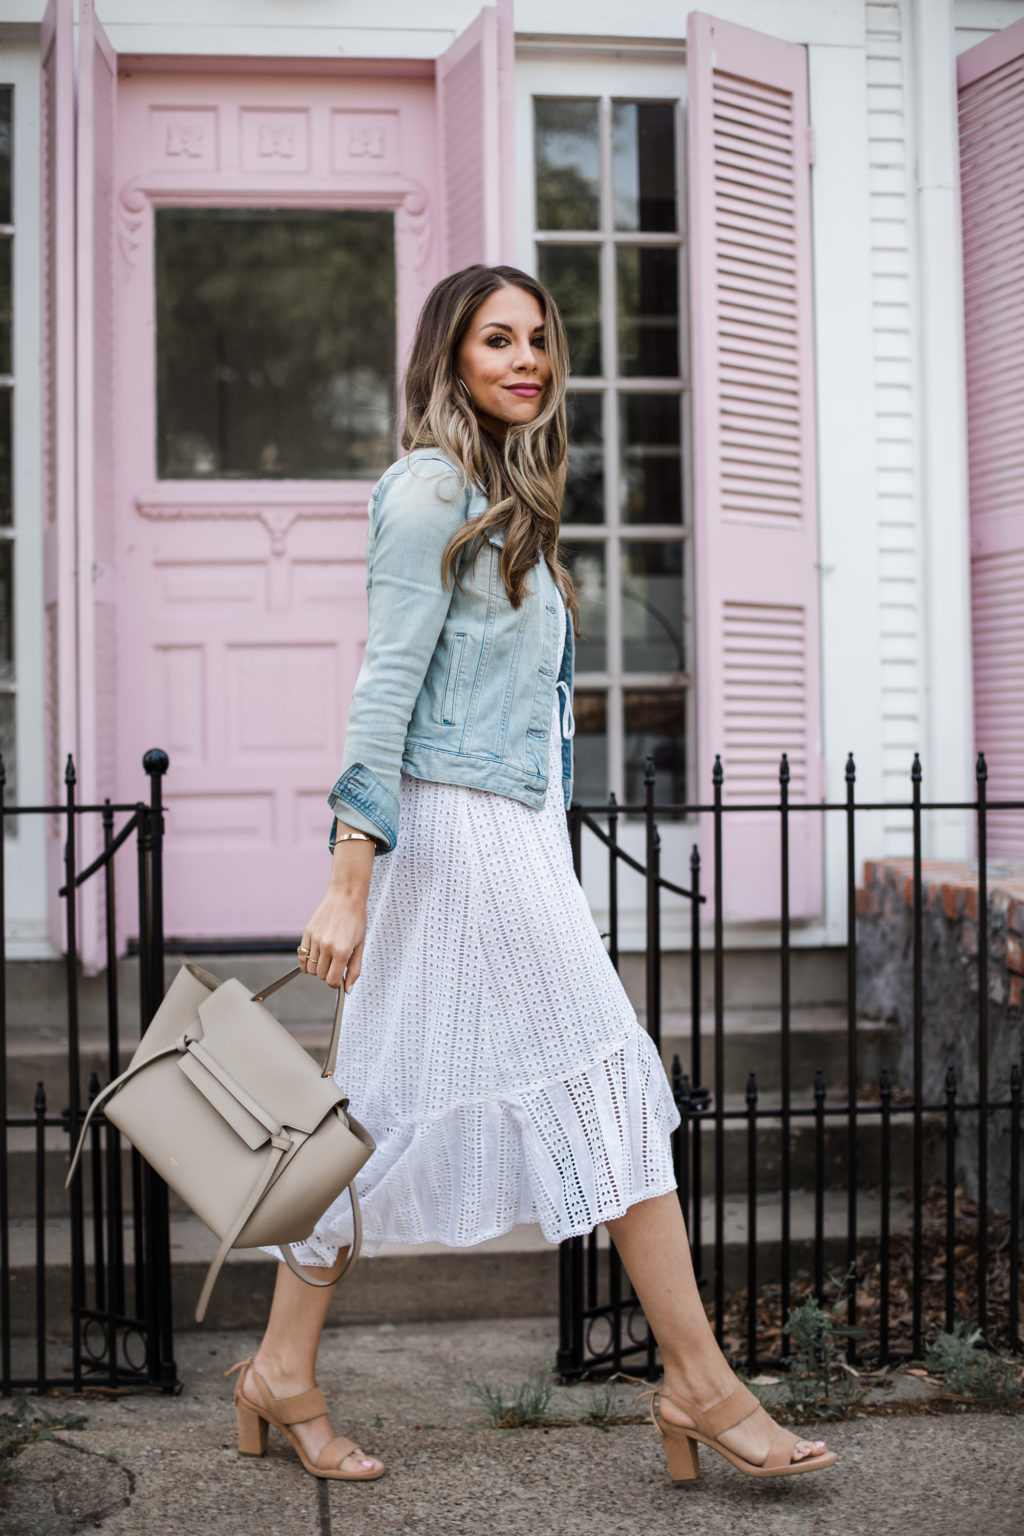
(416, 215)
(407, 198)
(277, 520)
(131, 210)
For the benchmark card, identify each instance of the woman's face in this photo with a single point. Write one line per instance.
(502, 362)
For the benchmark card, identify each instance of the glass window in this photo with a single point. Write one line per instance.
(610, 247)
(590, 755)
(571, 273)
(275, 343)
(6, 103)
(7, 550)
(644, 165)
(655, 728)
(567, 159)
(584, 484)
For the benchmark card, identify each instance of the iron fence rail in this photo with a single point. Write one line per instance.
(119, 1337)
(601, 1327)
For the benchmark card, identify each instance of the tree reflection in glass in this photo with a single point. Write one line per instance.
(275, 343)
(586, 562)
(567, 163)
(655, 726)
(571, 274)
(584, 485)
(652, 606)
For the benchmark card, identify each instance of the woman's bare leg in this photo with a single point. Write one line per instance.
(651, 1241)
(286, 1357)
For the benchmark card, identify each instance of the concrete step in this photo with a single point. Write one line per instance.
(21, 1158)
(515, 1275)
(753, 1043)
(818, 1038)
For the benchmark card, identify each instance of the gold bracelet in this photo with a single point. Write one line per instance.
(358, 837)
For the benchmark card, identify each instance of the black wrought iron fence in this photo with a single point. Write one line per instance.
(751, 1263)
(114, 1326)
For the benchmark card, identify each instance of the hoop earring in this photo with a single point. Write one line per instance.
(465, 388)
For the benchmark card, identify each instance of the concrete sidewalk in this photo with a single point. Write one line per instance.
(157, 1466)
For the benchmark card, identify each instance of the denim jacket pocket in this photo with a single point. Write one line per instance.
(451, 685)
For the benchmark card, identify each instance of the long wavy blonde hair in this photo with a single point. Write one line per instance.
(523, 475)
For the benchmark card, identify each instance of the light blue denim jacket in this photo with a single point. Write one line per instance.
(456, 685)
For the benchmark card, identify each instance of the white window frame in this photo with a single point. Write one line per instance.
(625, 75)
(25, 854)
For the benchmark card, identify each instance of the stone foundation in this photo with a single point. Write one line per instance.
(951, 982)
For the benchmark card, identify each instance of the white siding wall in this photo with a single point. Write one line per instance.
(897, 501)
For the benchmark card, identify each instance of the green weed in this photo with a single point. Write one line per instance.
(522, 1407)
(969, 1370)
(817, 1379)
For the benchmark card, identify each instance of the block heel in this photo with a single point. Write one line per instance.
(252, 1430)
(681, 1453)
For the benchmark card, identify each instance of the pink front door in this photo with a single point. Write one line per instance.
(277, 234)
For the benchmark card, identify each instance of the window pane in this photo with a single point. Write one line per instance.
(655, 726)
(584, 485)
(568, 164)
(652, 607)
(5, 458)
(5, 303)
(6, 611)
(651, 475)
(275, 343)
(7, 705)
(586, 562)
(644, 165)
(590, 772)
(647, 310)
(572, 274)
(6, 98)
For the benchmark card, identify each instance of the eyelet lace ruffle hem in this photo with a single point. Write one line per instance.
(488, 1045)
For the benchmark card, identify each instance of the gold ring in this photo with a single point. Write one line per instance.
(301, 951)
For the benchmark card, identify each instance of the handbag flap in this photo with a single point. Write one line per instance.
(227, 1106)
(262, 1057)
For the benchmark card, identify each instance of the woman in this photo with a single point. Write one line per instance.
(490, 1048)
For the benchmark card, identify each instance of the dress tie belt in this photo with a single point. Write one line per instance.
(568, 722)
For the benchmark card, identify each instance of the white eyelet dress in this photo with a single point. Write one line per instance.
(488, 1045)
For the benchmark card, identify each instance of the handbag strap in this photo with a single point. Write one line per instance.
(332, 1050)
(272, 1167)
(101, 1098)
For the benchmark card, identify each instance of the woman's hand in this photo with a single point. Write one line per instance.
(334, 934)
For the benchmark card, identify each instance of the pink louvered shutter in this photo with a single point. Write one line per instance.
(755, 533)
(475, 119)
(94, 325)
(58, 417)
(990, 79)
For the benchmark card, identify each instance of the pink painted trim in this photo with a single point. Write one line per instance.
(984, 57)
(754, 489)
(476, 140)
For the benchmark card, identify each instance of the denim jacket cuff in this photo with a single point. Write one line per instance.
(364, 802)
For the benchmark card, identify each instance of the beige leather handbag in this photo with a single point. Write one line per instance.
(232, 1113)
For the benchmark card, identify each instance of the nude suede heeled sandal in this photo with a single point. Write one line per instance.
(254, 1422)
(681, 1441)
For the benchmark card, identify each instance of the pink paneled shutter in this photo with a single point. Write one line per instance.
(58, 434)
(990, 79)
(475, 120)
(97, 658)
(755, 533)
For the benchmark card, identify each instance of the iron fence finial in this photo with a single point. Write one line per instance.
(70, 777)
(981, 770)
(851, 769)
(156, 761)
